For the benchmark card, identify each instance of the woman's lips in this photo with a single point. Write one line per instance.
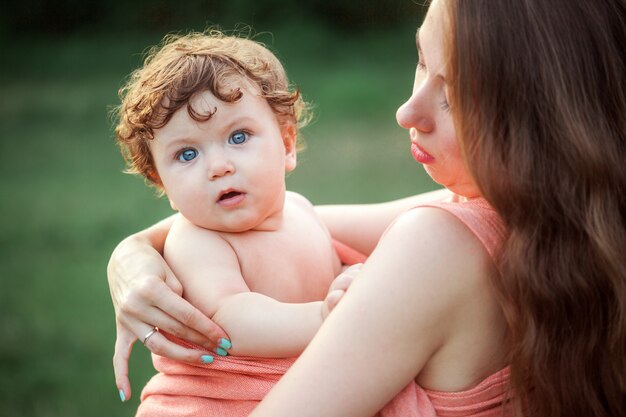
(421, 155)
(231, 198)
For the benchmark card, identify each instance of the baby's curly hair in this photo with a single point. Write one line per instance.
(184, 65)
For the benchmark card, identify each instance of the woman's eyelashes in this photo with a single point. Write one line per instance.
(187, 154)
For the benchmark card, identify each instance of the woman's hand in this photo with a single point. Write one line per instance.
(338, 288)
(145, 295)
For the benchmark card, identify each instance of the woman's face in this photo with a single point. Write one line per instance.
(427, 113)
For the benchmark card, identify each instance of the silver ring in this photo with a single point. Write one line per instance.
(149, 334)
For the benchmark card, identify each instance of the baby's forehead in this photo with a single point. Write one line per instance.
(235, 82)
(232, 90)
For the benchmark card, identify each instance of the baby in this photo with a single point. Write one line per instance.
(212, 121)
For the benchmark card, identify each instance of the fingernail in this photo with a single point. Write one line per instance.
(122, 396)
(206, 359)
(225, 343)
(221, 352)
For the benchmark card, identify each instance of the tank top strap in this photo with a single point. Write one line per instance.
(480, 218)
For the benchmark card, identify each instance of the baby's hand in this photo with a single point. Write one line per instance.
(338, 288)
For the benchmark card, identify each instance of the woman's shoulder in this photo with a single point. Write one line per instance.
(452, 265)
(477, 216)
(440, 232)
(433, 269)
(441, 250)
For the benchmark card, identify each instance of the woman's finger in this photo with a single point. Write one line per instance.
(191, 319)
(158, 344)
(154, 303)
(153, 316)
(173, 282)
(123, 346)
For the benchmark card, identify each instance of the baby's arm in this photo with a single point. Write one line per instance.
(257, 325)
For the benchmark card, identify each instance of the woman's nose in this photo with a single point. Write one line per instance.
(412, 114)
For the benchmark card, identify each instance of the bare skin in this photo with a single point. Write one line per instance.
(424, 293)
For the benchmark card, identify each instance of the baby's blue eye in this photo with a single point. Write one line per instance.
(238, 138)
(187, 155)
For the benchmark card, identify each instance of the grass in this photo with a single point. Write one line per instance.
(65, 202)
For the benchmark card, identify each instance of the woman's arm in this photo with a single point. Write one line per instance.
(145, 294)
(360, 226)
(396, 315)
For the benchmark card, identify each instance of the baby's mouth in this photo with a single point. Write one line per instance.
(228, 195)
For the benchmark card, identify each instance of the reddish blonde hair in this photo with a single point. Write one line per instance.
(538, 93)
(184, 65)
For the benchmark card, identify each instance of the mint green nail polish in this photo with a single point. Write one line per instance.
(221, 352)
(206, 359)
(225, 343)
(122, 396)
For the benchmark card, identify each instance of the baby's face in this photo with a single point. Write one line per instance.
(227, 173)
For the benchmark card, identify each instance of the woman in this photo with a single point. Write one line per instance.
(521, 104)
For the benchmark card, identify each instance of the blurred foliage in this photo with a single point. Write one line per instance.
(70, 16)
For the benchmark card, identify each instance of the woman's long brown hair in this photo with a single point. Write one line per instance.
(538, 93)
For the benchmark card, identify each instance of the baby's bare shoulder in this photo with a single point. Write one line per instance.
(185, 237)
(291, 197)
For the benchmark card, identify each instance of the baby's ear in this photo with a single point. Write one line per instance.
(289, 133)
(154, 178)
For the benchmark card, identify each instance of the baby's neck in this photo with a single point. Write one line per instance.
(271, 223)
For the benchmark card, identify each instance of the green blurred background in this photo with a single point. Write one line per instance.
(65, 203)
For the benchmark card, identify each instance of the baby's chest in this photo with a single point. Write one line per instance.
(289, 268)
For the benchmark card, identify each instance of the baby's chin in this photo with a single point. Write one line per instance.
(266, 224)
